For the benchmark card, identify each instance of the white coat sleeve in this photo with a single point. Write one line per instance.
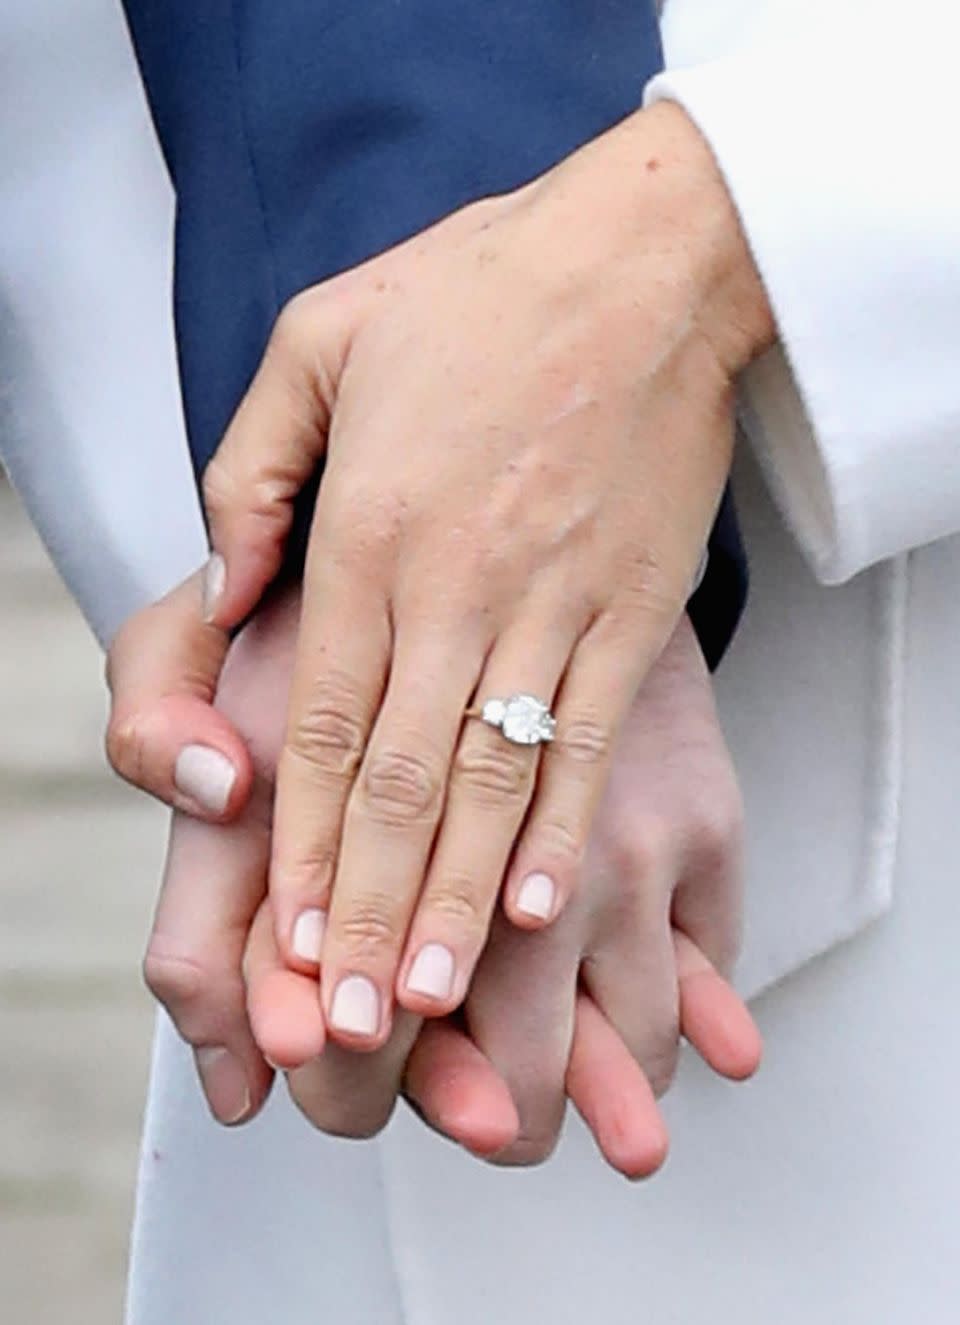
(835, 124)
(90, 427)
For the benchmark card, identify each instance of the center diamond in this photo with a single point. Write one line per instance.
(526, 720)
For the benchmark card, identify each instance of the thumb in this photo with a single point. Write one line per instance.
(164, 736)
(272, 447)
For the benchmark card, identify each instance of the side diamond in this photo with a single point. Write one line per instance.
(494, 711)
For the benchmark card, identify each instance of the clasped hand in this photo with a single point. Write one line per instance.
(525, 415)
(589, 1008)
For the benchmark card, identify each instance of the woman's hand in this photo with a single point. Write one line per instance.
(526, 415)
(592, 1007)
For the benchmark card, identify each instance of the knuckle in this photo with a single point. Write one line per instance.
(638, 847)
(125, 748)
(330, 734)
(217, 487)
(585, 740)
(309, 874)
(646, 585)
(371, 928)
(459, 899)
(172, 979)
(401, 787)
(261, 492)
(640, 610)
(559, 841)
(719, 834)
(494, 774)
(634, 859)
(296, 323)
(186, 987)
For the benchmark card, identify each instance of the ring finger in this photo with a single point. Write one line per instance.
(492, 781)
(489, 797)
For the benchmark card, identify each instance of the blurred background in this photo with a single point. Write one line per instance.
(79, 864)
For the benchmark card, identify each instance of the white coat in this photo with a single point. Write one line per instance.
(824, 1191)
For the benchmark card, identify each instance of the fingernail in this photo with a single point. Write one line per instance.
(307, 938)
(205, 775)
(356, 1006)
(536, 895)
(224, 1084)
(432, 971)
(214, 583)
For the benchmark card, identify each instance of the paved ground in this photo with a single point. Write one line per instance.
(79, 858)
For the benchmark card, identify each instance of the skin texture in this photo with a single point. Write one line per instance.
(527, 425)
(587, 1009)
(526, 414)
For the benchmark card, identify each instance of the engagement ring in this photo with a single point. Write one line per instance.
(523, 719)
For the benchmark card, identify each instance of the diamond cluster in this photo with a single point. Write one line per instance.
(523, 719)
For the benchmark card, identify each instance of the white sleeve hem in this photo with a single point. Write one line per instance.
(839, 167)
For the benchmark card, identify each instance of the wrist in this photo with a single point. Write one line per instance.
(652, 195)
(691, 199)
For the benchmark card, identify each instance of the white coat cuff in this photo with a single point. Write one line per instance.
(852, 212)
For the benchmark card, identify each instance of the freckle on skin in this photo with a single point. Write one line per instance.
(653, 164)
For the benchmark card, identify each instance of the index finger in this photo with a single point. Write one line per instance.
(165, 736)
(270, 450)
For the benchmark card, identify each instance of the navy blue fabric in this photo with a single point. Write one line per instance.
(303, 136)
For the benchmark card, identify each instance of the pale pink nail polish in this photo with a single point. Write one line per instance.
(214, 583)
(432, 971)
(536, 896)
(307, 937)
(356, 1006)
(205, 775)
